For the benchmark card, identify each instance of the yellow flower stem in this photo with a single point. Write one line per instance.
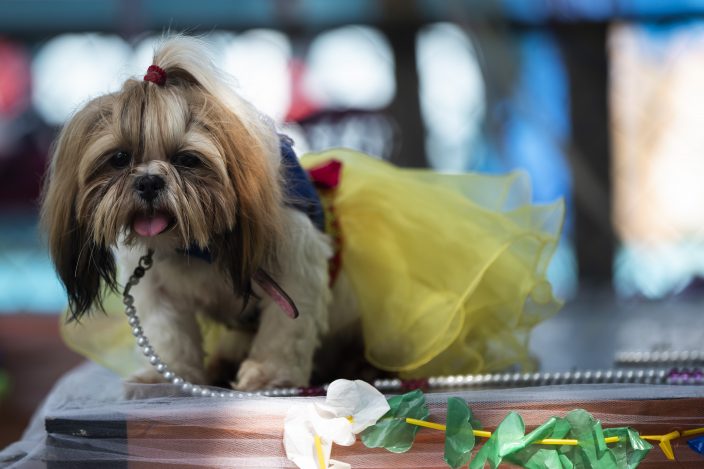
(664, 441)
(559, 441)
(665, 444)
(423, 423)
(693, 431)
(319, 452)
(485, 434)
(668, 436)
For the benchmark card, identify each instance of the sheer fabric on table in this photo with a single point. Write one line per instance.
(91, 423)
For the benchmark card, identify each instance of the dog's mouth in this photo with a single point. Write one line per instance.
(149, 224)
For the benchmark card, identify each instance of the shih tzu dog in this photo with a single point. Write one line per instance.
(178, 163)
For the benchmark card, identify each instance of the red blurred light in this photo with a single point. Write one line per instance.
(15, 79)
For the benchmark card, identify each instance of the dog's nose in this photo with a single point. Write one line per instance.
(148, 186)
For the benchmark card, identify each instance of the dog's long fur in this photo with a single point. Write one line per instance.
(231, 203)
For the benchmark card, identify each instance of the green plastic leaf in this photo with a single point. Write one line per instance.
(391, 431)
(539, 456)
(509, 439)
(630, 450)
(509, 430)
(459, 438)
(592, 452)
(540, 433)
(542, 458)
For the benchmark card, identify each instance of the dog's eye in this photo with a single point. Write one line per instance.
(121, 159)
(186, 160)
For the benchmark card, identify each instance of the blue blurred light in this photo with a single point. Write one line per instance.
(535, 11)
(339, 11)
(657, 7)
(28, 282)
(538, 129)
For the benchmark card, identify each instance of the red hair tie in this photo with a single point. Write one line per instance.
(155, 74)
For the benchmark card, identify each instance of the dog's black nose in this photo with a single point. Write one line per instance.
(148, 186)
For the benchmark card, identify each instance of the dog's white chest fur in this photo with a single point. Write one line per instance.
(200, 286)
(275, 350)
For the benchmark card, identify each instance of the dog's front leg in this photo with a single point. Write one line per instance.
(282, 349)
(174, 335)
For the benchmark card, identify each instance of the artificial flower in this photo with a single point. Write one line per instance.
(349, 408)
(359, 402)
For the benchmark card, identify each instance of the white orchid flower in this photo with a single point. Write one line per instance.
(301, 427)
(359, 402)
(349, 408)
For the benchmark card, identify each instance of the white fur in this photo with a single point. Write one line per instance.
(281, 350)
(279, 353)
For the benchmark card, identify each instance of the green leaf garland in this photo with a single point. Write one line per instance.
(459, 438)
(539, 457)
(630, 449)
(592, 451)
(391, 431)
(509, 441)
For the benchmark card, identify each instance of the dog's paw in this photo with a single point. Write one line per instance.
(254, 375)
(132, 388)
(146, 376)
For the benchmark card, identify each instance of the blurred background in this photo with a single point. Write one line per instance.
(600, 101)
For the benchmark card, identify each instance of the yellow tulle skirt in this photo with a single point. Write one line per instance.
(449, 270)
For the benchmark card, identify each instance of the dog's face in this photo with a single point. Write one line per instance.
(163, 167)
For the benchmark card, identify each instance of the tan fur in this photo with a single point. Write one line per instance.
(72, 249)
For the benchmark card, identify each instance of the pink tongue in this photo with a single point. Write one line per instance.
(150, 226)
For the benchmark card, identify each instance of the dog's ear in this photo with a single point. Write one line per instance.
(79, 261)
(251, 221)
(252, 161)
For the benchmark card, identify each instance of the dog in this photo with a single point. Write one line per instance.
(179, 163)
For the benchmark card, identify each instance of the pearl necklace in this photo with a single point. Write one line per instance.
(641, 376)
(145, 263)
